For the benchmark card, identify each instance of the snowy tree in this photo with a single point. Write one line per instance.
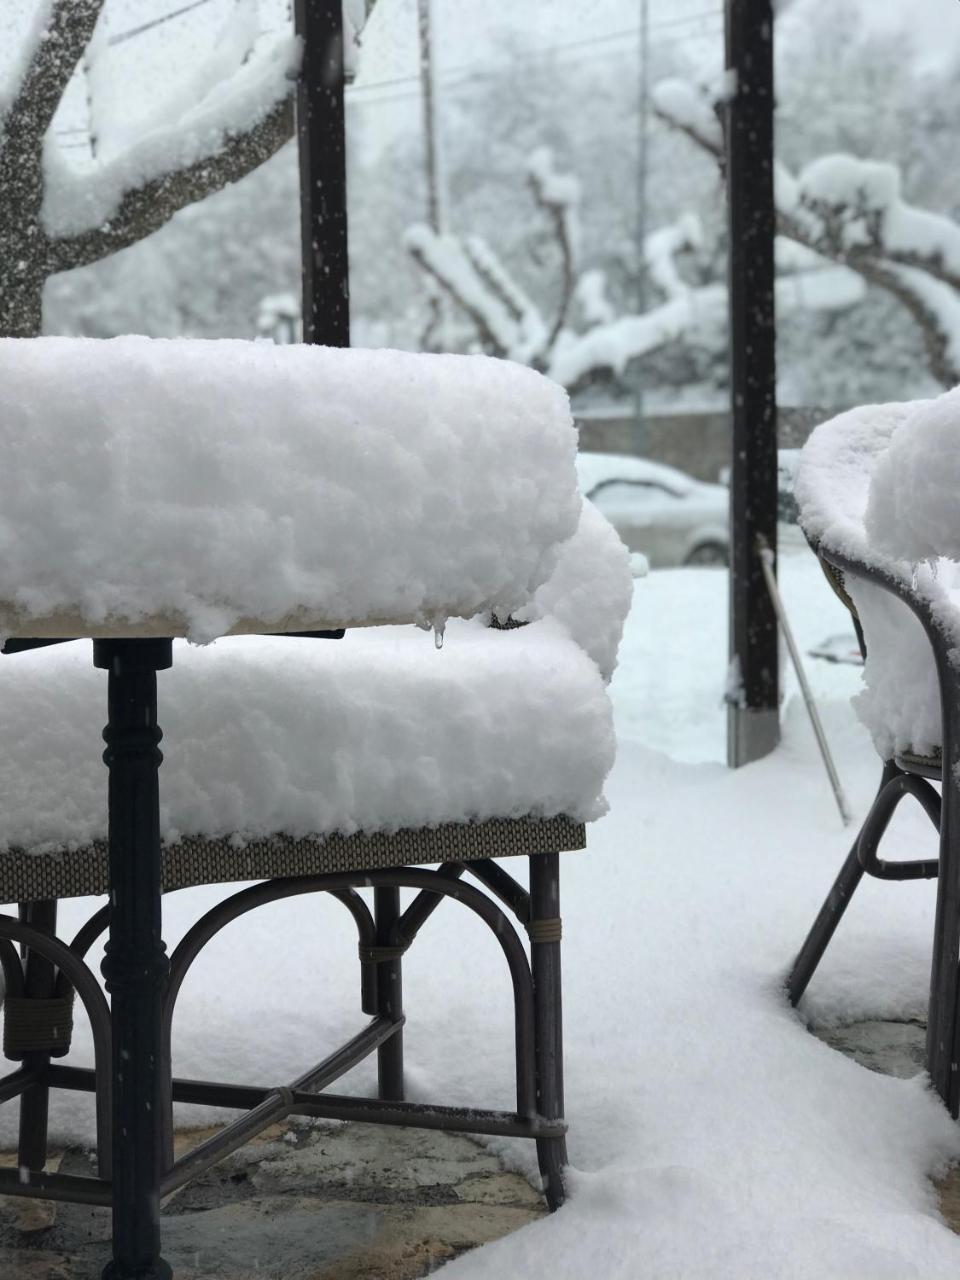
(234, 113)
(851, 211)
(508, 322)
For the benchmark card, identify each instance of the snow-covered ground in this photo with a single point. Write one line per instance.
(711, 1134)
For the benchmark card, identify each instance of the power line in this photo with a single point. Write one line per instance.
(482, 72)
(605, 38)
(121, 36)
(459, 74)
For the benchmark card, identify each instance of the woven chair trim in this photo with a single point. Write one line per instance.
(927, 766)
(836, 579)
(546, 930)
(194, 860)
(32, 1025)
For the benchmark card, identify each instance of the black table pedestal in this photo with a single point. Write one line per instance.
(135, 966)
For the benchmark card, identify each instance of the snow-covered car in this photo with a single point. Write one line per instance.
(667, 515)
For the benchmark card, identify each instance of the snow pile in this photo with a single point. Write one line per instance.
(263, 734)
(912, 511)
(900, 700)
(833, 477)
(590, 590)
(871, 489)
(236, 485)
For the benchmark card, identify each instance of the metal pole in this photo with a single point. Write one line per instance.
(321, 135)
(753, 726)
(436, 212)
(766, 562)
(436, 202)
(642, 166)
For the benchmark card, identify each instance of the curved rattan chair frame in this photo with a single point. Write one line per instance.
(902, 776)
(383, 937)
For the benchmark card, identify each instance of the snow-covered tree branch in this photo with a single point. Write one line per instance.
(508, 323)
(231, 114)
(851, 212)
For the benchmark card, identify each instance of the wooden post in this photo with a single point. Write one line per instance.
(753, 727)
(321, 134)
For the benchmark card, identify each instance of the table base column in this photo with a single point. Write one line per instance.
(135, 966)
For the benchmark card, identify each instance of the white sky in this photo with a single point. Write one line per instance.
(143, 69)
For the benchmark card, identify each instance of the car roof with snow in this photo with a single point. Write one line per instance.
(595, 469)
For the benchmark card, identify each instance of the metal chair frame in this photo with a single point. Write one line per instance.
(132, 1035)
(902, 777)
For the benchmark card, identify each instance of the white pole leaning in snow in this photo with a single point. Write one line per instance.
(766, 561)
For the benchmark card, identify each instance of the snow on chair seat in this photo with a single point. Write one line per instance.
(198, 488)
(264, 735)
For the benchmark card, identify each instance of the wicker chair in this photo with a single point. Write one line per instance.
(129, 859)
(833, 488)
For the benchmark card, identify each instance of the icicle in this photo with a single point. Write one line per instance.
(438, 630)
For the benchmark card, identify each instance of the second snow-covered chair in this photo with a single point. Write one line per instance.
(229, 492)
(877, 489)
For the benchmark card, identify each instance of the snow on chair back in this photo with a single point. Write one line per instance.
(203, 487)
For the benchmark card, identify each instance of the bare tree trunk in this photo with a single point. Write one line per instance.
(21, 304)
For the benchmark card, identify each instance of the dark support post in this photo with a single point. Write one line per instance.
(753, 728)
(544, 928)
(943, 1016)
(135, 966)
(386, 910)
(321, 133)
(39, 984)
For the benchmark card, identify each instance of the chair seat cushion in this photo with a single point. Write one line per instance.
(265, 735)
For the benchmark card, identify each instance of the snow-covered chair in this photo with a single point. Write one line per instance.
(208, 491)
(878, 492)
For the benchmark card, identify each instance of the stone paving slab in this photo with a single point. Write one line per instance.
(308, 1200)
(891, 1048)
(896, 1049)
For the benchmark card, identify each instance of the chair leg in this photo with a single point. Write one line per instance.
(39, 980)
(386, 909)
(825, 925)
(943, 1023)
(544, 929)
(831, 913)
